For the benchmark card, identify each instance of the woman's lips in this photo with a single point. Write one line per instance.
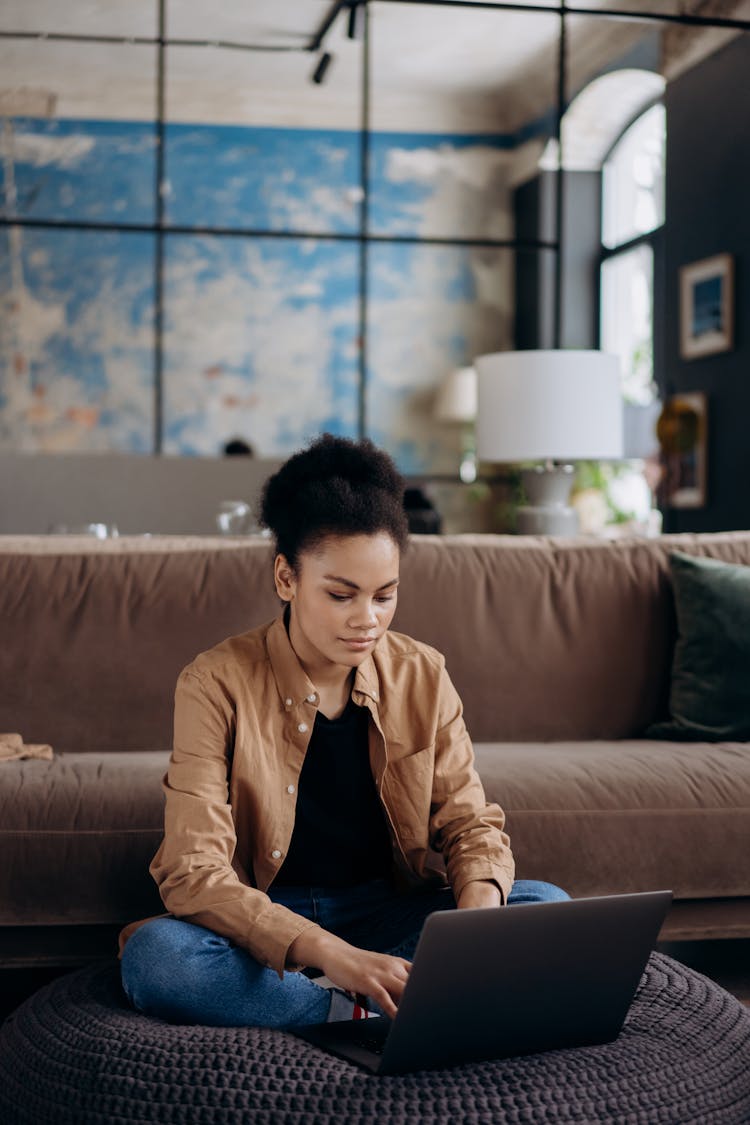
(358, 644)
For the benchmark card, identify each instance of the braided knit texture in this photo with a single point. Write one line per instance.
(76, 1054)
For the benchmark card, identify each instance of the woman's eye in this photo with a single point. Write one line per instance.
(382, 599)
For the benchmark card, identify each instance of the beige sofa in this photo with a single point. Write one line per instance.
(561, 650)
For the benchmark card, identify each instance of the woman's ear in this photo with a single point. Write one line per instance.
(283, 576)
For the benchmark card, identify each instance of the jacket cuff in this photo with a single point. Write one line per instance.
(273, 932)
(484, 873)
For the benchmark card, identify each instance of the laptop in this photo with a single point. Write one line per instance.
(488, 984)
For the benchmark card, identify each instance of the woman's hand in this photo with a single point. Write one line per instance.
(479, 894)
(379, 976)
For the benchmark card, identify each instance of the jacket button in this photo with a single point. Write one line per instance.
(302, 728)
(275, 854)
(290, 788)
(288, 702)
(312, 697)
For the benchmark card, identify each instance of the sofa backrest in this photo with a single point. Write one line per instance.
(94, 634)
(552, 639)
(544, 639)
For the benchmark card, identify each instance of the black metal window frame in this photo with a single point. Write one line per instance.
(362, 236)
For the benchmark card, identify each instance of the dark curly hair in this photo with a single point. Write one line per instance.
(335, 486)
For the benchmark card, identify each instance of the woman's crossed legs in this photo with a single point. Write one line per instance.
(185, 973)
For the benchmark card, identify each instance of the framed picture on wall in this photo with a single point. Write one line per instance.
(707, 306)
(682, 432)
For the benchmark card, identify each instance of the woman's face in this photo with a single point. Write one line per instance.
(342, 597)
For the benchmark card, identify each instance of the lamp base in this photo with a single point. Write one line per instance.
(547, 488)
(555, 520)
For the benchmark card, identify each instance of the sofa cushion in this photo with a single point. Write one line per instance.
(77, 835)
(709, 697)
(604, 817)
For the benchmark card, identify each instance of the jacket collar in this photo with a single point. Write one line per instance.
(294, 685)
(366, 680)
(291, 679)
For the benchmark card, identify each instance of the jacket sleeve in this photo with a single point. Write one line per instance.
(193, 867)
(463, 826)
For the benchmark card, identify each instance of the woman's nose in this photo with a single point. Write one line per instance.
(364, 615)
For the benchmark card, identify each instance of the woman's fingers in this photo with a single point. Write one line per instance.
(387, 992)
(384, 1001)
(379, 976)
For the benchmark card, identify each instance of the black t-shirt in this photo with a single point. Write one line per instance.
(340, 835)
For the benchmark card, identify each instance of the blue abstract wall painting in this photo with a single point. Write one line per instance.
(260, 341)
(260, 334)
(439, 186)
(263, 179)
(76, 340)
(431, 307)
(100, 171)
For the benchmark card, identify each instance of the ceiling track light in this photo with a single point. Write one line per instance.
(320, 70)
(354, 22)
(316, 42)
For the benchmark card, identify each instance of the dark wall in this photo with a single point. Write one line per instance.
(534, 213)
(708, 212)
(534, 217)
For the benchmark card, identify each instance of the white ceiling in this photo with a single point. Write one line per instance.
(432, 68)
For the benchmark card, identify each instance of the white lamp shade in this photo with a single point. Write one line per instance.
(456, 399)
(549, 406)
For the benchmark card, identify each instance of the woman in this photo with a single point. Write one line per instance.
(316, 762)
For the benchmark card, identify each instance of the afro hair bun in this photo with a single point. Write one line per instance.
(336, 486)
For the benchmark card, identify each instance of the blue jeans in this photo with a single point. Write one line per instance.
(187, 974)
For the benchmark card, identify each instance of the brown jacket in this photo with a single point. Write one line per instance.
(244, 712)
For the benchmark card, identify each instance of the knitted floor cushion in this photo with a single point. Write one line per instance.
(76, 1054)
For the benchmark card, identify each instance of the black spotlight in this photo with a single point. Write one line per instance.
(354, 22)
(320, 70)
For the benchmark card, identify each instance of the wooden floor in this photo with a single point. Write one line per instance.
(725, 961)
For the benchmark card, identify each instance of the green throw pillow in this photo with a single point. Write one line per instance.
(709, 695)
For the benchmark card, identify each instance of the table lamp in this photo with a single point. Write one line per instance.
(552, 407)
(456, 402)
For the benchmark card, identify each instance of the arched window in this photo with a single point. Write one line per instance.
(633, 180)
(632, 216)
(616, 126)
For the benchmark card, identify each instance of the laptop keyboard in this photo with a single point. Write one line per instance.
(370, 1043)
